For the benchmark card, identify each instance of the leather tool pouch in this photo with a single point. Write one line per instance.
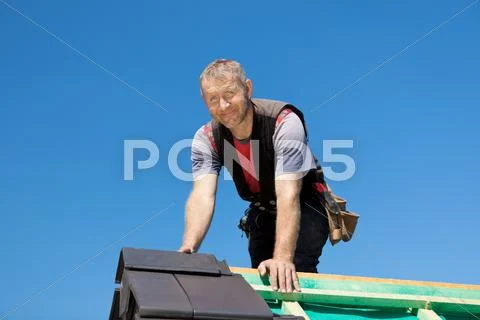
(342, 223)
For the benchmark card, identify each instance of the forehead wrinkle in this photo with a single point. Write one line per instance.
(231, 84)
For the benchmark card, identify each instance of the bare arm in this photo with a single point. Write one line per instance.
(282, 272)
(288, 216)
(199, 212)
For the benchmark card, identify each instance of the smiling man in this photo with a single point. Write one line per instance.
(263, 144)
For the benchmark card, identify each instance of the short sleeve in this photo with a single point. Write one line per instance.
(292, 154)
(204, 158)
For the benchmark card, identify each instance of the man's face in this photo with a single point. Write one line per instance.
(226, 100)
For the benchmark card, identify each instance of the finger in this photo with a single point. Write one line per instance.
(281, 277)
(288, 280)
(296, 283)
(273, 277)
(262, 269)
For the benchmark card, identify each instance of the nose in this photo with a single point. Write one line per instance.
(224, 104)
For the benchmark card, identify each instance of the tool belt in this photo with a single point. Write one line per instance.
(261, 212)
(243, 223)
(341, 223)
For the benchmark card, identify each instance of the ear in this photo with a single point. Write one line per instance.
(249, 87)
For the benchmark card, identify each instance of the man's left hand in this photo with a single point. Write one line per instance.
(282, 275)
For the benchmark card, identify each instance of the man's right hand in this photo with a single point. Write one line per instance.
(186, 249)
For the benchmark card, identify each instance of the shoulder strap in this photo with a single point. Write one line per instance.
(216, 138)
(210, 134)
(283, 114)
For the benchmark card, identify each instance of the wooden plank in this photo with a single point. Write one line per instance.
(424, 314)
(320, 276)
(294, 308)
(460, 291)
(374, 299)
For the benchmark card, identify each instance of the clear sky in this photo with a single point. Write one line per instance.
(81, 77)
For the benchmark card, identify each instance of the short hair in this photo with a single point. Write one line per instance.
(224, 69)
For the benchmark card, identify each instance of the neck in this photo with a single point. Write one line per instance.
(244, 129)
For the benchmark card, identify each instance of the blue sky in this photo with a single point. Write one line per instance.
(66, 210)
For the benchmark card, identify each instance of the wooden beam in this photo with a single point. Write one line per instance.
(374, 299)
(294, 308)
(320, 276)
(424, 314)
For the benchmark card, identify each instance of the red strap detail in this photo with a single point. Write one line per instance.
(207, 130)
(319, 187)
(251, 180)
(282, 115)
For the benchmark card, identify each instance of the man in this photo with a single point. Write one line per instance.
(263, 145)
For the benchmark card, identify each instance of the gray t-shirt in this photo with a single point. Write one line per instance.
(292, 154)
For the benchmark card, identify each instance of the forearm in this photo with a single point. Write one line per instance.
(198, 216)
(287, 227)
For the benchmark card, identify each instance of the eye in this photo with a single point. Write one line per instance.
(213, 99)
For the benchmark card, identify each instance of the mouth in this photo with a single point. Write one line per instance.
(228, 114)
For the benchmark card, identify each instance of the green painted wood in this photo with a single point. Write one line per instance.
(373, 299)
(361, 286)
(341, 298)
(458, 317)
(319, 312)
(275, 306)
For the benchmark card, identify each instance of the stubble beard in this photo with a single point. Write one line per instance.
(241, 117)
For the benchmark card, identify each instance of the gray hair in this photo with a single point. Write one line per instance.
(224, 69)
